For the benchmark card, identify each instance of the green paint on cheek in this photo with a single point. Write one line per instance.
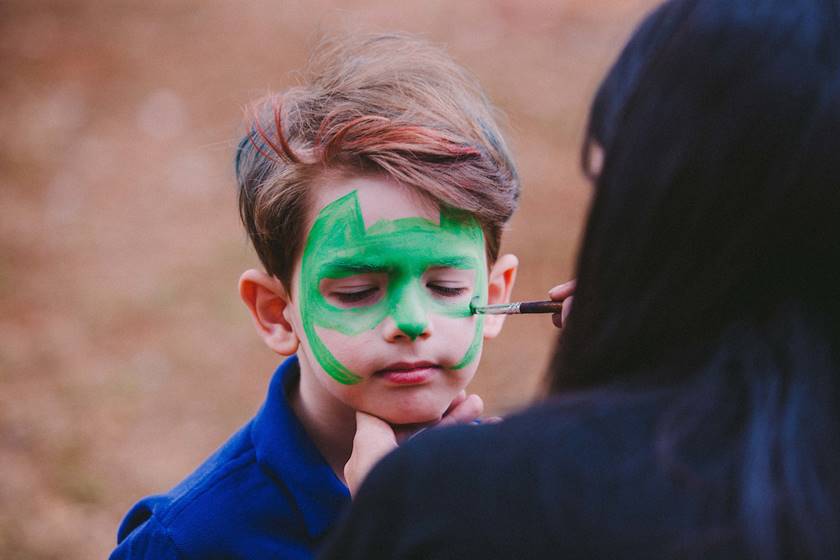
(405, 249)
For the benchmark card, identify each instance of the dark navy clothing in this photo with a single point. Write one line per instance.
(554, 482)
(267, 493)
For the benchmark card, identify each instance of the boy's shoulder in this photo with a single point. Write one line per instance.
(265, 492)
(191, 518)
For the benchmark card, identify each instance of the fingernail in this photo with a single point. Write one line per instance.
(559, 289)
(415, 434)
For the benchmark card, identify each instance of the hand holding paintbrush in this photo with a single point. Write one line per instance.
(558, 306)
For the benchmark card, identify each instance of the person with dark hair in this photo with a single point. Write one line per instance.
(696, 390)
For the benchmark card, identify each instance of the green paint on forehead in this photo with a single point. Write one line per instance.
(339, 245)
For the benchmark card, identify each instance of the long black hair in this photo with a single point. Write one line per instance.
(708, 265)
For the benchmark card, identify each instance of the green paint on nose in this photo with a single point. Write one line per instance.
(412, 329)
(409, 310)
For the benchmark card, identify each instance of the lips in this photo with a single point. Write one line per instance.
(409, 373)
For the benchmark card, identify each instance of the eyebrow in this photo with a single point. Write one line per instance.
(453, 262)
(344, 267)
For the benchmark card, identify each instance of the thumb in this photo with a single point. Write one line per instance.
(373, 433)
(373, 440)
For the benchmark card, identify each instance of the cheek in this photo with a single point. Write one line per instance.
(457, 332)
(353, 351)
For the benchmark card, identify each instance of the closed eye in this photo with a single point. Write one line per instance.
(354, 296)
(447, 291)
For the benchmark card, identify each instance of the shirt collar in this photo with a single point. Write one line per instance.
(284, 447)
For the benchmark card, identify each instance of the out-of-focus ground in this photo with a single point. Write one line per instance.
(125, 354)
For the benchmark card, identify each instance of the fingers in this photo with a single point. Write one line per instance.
(372, 431)
(562, 291)
(559, 319)
(468, 410)
(459, 398)
(373, 440)
(567, 307)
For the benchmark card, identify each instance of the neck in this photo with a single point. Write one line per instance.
(330, 423)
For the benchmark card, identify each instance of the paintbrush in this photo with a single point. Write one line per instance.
(516, 307)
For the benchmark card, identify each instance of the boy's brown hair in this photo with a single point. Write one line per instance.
(390, 104)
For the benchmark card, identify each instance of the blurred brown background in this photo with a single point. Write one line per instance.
(125, 354)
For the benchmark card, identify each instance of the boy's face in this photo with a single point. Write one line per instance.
(381, 299)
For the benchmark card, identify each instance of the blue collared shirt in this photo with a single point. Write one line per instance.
(266, 493)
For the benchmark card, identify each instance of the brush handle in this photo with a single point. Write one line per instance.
(518, 307)
(540, 306)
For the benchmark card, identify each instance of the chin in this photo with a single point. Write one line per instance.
(420, 415)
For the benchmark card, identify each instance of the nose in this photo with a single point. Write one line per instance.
(409, 317)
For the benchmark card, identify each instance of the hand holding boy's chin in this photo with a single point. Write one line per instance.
(376, 437)
(462, 410)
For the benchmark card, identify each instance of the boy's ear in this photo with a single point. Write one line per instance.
(267, 300)
(499, 287)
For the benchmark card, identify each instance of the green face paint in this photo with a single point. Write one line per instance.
(339, 246)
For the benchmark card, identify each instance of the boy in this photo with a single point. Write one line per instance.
(375, 196)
